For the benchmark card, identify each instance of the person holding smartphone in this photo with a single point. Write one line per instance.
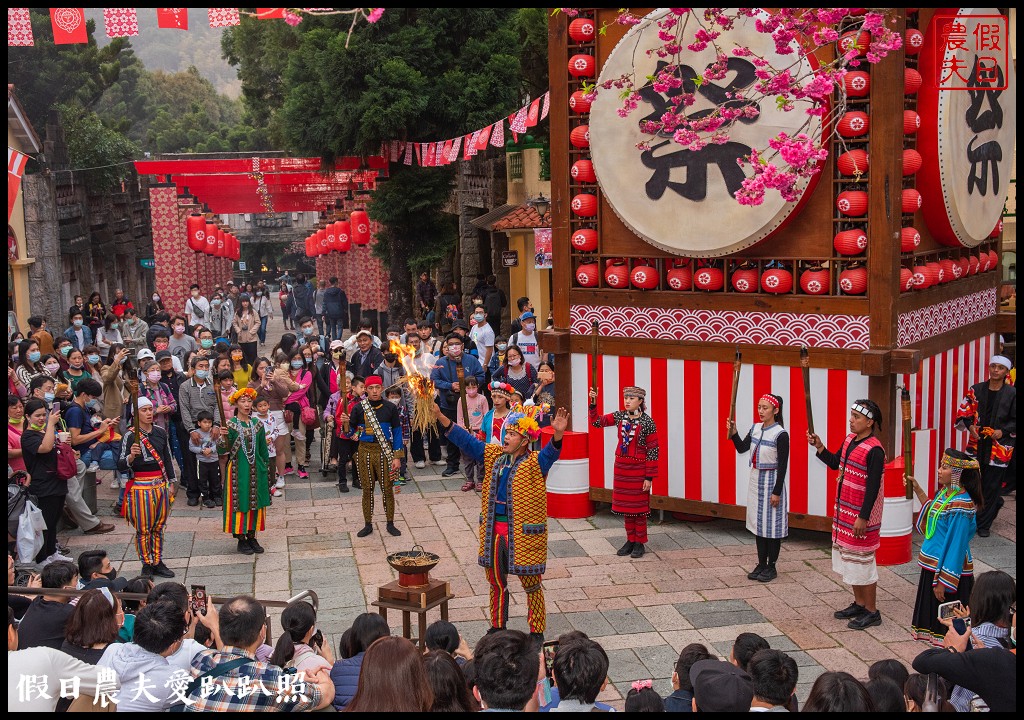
(948, 522)
(301, 645)
(39, 450)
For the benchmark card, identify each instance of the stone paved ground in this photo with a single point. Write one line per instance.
(690, 587)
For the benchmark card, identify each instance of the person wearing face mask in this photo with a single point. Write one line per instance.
(134, 330)
(526, 339)
(308, 333)
(221, 317)
(39, 451)
(78, 333)
(636, 464)
(513, 508)
(518, 373)
(95, 571)
(115, 393)
(206, 343)
(544, 391)
(63, 348)
(446, 379)
(264, 309)
(245, 325)
(15, 427)
(477, 406)
(482, 335)
(109, 333)
(197, 307)
(51, 366)
(180, 343)
(195, 394)
(302, 377)
(28, 365)
(154, 307)
(91, 433)
(498, 356)
(164, 405)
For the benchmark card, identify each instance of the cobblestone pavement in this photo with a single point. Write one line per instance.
(691, 586)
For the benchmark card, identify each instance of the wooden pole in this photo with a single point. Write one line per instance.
(595, 335)
(805, 366)
(343, 389)
(737, 361)
(909, 482)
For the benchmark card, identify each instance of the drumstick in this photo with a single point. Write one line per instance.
(735, 388)
(805, 365)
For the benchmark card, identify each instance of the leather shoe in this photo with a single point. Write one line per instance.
(852, 611)
(161, 570)
(865, 620)
(100, 529)
(768, 574)
(756, 572)
(626, 549)
(638, 551)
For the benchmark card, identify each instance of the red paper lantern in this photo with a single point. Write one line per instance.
(935, 274)
(853, 124)
(854, 281)
(922, 277)
(332, 236)
(854, 40)
(709, 279)
(853, 162)
(911, 201)
(912, 161)
(850, 242)
(580, 136)
(584, 240)
(583, 171)
(582, 30)
(220, 251)
(906, 279)
(359, 227)
(211, 240)
(950, 270)
(586, 275)
(582, 66)
(322, 247)
(579, 103)
(195, 227)
(309, 246)
(745, 279)
(965, 267)
(913, 41)
(645, 277)
(857, 83)
(910, 238)
(680, 276)
(911, 122)
(777, 281)
(911, 81)
(343, 235)
(814, 280)
(584, 205)
(617, 275)
(852, 202)
(973, 265)
(993, 260)
(997, 230)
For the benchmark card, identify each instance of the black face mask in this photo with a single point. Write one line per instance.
(390, 357)
(110, 575)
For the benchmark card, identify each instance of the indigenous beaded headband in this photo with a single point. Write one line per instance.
(771, 400)
(863, 410)
(634, 391)
(962, 463)
(501, 388)
(243, 392)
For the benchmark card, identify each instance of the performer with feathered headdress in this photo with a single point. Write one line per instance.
(513, 507)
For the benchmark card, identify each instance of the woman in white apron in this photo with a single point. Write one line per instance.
(767, 495)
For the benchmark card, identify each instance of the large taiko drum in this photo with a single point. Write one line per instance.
(897, 517)
(568, 481)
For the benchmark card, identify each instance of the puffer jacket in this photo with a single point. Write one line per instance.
(345, 676)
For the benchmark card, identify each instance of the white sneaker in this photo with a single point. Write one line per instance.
(439, 462)
(114, 484)
(280, 483)
(420, 464)
(93, 466)
(274, 492)
(54, 558)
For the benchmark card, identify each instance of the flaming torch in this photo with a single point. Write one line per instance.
(417, 381)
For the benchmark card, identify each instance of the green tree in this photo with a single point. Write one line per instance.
(91, 144)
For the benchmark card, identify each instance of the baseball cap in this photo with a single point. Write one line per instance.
(367, 333)
(460, 324)
(527, 315)
(145, 354)
(164, 355)
(335, 344)
(720, 686)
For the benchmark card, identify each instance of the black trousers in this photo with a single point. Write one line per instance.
(188, 464)
(433, 444)
(345, 450)
(991, 484)
(209, 482)
(454, 454)
(51, 506)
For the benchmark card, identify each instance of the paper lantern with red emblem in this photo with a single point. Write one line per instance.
(617, 275)
(993, 260)
(709, 279)
(857, 83)
(583, 171)
(745, 279)
(584, 240)
(997, 230)
(906, 279)
(680, 275)
(950, 270)
(586, 275)
(584, 205)
(211, 239)
(579, 103)
(965, 266)
(777, 280)
(912, 161)
(922, 277)
(221, 248)
(580, 136)
(935, 274)
(582, 66)
(332, 236)
(850, 242)
(973, 265)
(195, 227)
(852, 203)
(814, 280)
(853, 124)
(322, 248)
(854, 40)
(911, 122)
(854, 280)
(910, 238)
(911, 81)
(582, 30)
(344, 236)
(645, 276)
(913, 41)
(309, 246)
(984, 262)
(853, 162)
(359, 227)
(910, 201)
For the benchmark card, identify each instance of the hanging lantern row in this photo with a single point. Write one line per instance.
(209, 238)
(340, 235)
(923, 275)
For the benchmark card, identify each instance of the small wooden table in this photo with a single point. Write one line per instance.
(410, 600)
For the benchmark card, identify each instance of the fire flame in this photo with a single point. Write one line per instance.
(417, 378)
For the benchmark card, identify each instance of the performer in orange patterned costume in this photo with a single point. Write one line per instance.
(513, 508)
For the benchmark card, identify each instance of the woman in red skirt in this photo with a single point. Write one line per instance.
(636, 464)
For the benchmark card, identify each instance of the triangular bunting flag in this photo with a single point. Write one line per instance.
(68, 26)
(172, 18)
(547, 105)
(498, 134)
(19, 28)
(121, 22)
(518, 123)
(532, 113)
(465, 146)
(16, 162)
(223, 17)
(454, 155)
(482, 137)
(419, 153)
(408, 154)
(446, 151)
(471, 144)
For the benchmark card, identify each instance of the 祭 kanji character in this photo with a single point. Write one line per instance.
(178, 684)
(70, 688)
(983, 114)
(106, 687)
(987, 36)
(955, 35)
(32, 687)
(143, 688)
(293, 688)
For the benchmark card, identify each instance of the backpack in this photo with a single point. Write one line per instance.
(452, 312)
(67, 461)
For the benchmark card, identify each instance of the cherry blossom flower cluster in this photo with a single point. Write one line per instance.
(787, 159)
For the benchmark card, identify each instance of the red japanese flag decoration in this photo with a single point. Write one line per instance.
(428, 156)
(419, 153)
(533, 113)
(19, 28)
(517, 123)
(498, 134)
(121, 22)
(547, 105)
(408, 154)
(467, 142)
(172, 18)
(446, 151)
(15, 169)
(68, 26)
(454, 154)
(471, 145)
(482, 136)
(270, 13)
(223, 17)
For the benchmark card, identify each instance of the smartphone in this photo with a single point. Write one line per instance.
(549, 648)
(946, 609)
(317, 639)
(199, 599)
(961, 625)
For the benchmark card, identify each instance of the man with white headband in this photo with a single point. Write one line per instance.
(147, 498)
(989, 414)
(857, 518)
